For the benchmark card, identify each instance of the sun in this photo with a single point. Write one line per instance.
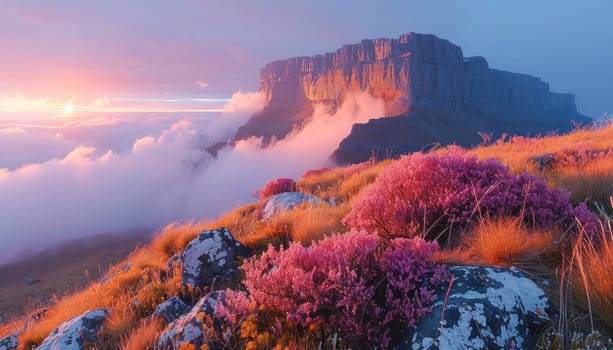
(68, 108)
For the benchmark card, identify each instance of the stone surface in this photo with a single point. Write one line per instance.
(30, 280)
(418, 76)
(211, 256)
(282, 202)
(76, 333)
(487, 308)
(112, 274)
(189, 328)
(171, 309)
(9, 343)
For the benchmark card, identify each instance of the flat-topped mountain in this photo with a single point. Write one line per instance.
(434, 93)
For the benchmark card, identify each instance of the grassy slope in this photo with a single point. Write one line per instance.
(586, 178)
(63, 270)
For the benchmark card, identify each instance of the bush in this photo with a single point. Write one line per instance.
(432, 194)
(276, 186)
(356, 285)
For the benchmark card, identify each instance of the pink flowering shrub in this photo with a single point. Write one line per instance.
(276, 186)
(432, 194)
(354, 284)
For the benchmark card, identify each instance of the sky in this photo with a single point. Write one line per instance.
(154, 55)
(107, 107)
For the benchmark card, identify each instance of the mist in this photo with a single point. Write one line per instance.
(162, 177)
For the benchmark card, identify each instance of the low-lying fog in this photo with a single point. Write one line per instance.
(68, 178)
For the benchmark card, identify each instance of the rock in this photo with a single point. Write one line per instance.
(417, 76)
(282, 202)
(30, 279)
(76, 333)
(211, 256)
(487, 308)
(9, 343)
(125, 267)
(171, 309)
(544, 162)
(190, 328)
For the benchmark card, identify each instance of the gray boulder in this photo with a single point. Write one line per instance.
(74, 333)
(171, 309)
(286, 201)
(487, 308)
(190, 328)
(210, 256)
(9, 343)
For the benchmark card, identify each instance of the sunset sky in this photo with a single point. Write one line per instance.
(191, 55)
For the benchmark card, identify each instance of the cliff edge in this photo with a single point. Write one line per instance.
(434, 93)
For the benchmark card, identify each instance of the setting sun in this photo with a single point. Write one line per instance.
(68, 107)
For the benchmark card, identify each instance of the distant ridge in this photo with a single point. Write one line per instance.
(434, 94)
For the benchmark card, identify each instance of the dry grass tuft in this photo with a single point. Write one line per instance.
(175, 236)
(591, 273)
(592, 181)
(143, 337)
(342, 183)
(240, 221)
(503, 242)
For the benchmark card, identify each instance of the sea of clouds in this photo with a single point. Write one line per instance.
(64, 179)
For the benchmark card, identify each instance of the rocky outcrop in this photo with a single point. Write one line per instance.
(171, 309)
(9, 343)
(190, 328)
(282, 202)
(210, 256)
(76, 333)
(418, 76)
(486, 308)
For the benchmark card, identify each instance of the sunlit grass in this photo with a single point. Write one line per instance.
(503, 242)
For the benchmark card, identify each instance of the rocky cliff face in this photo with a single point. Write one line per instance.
(418, 76)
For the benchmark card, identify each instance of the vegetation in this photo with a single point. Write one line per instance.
(433, 195)
(350, 285)
(522, 210)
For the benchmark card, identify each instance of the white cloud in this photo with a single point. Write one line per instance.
(202, 84)
(162, 177)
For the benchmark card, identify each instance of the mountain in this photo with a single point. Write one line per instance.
(432, 93)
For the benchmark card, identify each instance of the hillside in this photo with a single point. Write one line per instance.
(546, 245)
(428, 87)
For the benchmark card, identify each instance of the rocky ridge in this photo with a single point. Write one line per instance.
(424, 80)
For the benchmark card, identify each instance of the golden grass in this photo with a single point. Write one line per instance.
(592, 275)
(305, 224)
(64, 309)
(175, 236)
(518, 151)
(342, 183)
(240, 221)
(143, 337)
(592, 181)
(117, 295)
(503, 242)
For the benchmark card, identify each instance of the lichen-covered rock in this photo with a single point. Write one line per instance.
(76, 333)
(487, 308)
(9, 343)
(286, 201)
(171, 309)
(210, 256)
(190, 328)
